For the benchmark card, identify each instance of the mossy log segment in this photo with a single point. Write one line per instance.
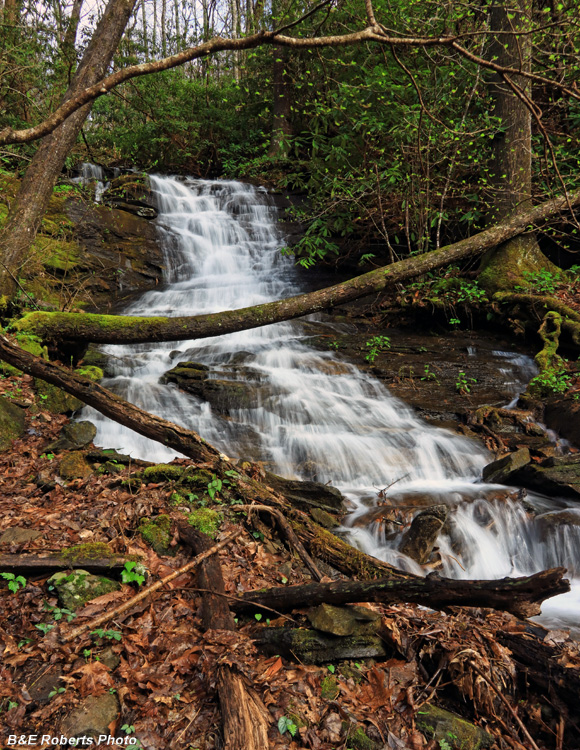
(184, 441)
(31, 565)
(112, 329)
(520, 596)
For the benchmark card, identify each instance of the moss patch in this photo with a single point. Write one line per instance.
(88, 551)
(358, 740)
(206, 520)
(504, 268)
(79, 587)
(157, 533)
(162, 473)
(92, 372)
(329, 688)
(11, 423)
(54, 399)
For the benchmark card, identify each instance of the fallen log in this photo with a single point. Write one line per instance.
(245, 718)
(520, 596)
(35, 565)
(116, 329)
(168, 433)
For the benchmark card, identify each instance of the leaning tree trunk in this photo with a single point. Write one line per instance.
(510, 179)
(113, 329)
(44, 169)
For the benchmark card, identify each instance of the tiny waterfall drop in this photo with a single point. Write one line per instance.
(307, 413)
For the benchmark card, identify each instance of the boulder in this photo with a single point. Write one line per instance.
(551, 522)
(307, 494)
(54, 399)
(333, 620)
(556, 475)
(419, 540)
(563, 416)
(448, 729)
(11, 423)
(79, 587)
(313, 647)
(96, 715)
(500, 471)
(73, 436)
(74, 466)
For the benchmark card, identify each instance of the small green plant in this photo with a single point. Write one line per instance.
(56, 692)
(133, 573)
(428, 375)
(285, 724)
(464, 384)
(44, 627)
(454, 321)
(214, 486)
(15, 583)
(49, 456)
(552, 381)
(334, 345)
(112, 635)
(331, 668)
(258, 616)
(376, 345)
(540, 282)
(24, 642)
(444, 745)
(59, 612)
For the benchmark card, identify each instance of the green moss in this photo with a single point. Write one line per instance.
(88, 551)
(162, 473)
(329, 688)
(503, 268)
(48, 324)
(54, 399)
(206, 520)
(30, 344)
(91, 372)
(133, 483)
(358, 740)
(79, 587)
(157, 533)
(459, 734)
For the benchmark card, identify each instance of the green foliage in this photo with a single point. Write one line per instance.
(285, 724)
(376, 345)
(15, 583)
(214, 486)
(551, 381)
(464, 384)
(112, 635)
(133, 572)
(541, 282)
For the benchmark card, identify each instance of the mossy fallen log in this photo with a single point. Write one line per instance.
(112, 329)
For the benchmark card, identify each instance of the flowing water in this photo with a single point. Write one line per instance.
(307, 413)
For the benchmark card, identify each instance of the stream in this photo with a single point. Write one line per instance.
(310, 414)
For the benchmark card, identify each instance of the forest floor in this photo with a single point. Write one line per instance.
(150, 673)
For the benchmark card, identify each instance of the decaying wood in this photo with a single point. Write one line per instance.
(520, 596)
(126, 606)
(112, 329)
(167, 433)
(245, 718)
(34, 565)
(288, 534)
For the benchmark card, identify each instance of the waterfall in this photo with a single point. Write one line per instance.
(306, 413)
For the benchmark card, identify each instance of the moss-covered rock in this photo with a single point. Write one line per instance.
(157, 533)
(73, 436)
(92, 372)
(357, 739)
(54, 399)
(329, 689)
(206, 520)
(79, 587)
(458, 733)
(505, 267)
(74, 466)
(11, 423)
(162, 473)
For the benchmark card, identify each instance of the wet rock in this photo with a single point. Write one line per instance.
(444, 726)
(307, 494)
(16, 535)
(563, 416)
(97, 715)
(334, 620)
(550, 522)
(558, 475)
(11, 423)
(109, 658)
(500, 471)
(74, 466)
(183, 372)
(419, 540)
(41, 689)
(73, 436)
(79, 587)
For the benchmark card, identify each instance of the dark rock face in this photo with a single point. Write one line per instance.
(501, 471)
(557, 475)
(563, 415)
(73, 436)
(419, 540)
(11, 423)
(307, 494)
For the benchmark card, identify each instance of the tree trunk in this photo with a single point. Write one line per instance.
(511, 173)
(281, 103)
(44, 169)
(520, 596)
(245, 718)
(111, 329)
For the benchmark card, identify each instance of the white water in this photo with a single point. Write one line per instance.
(310, 415)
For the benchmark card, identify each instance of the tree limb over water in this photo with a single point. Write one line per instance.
(117, 329)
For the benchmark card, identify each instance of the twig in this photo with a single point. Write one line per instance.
(290, 536)
(505, 701)
(150, 589)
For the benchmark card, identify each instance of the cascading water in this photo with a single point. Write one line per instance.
(307, 413)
